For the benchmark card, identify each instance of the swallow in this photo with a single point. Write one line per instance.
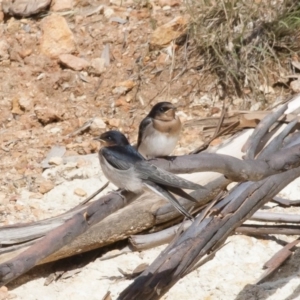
(126, 168)
(159, 131)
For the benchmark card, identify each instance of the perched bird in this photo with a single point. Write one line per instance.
(159, 131)
(128, 169)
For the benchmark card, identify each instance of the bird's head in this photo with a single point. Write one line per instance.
(112, 138)
(164, 111)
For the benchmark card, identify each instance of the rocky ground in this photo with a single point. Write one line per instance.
(106, 63)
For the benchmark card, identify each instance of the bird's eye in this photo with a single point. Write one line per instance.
(109, 137)
(162, 109)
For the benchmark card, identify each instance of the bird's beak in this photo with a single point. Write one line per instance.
(98, 139)
(172, 108)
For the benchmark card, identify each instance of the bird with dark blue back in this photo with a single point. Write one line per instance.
(126, 168)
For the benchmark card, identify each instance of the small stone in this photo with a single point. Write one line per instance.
(16, 109)
(167, 7)
(215, 110)
(124, 3)
(3, 198)
(97, 66)
(123, 87)
(12, 26)
(256, 106)
(23, 8)
(82, 163)
(165, 34)
(129, 84)
(164, 3)
(24, 52)
(114, 122)
(46, 115)
(119, 90)
(121, 102)
(55, 161)
(46, 186)
(108, 12)
(61, 5)
(55, 130)
(162, 60)
(73, 62)
(129, 98)
(57, 37)
(266, 89)
(4, 293)
(80, 192)
(97, 124)
(25, 103)
(4, 47)
(295, 86)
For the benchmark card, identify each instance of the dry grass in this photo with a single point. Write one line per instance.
(248, 44)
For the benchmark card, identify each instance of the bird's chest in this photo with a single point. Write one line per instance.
(159, 143)
(125, 179)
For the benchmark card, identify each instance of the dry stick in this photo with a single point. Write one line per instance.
(61, 236)
(251, 229)
(141, 242)
(199, 239)
(146, 241)
(275, 217)
(277, 260)
(82, 128)
(261, 129)
(286, 202)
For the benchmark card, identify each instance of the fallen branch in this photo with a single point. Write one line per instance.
(260, 230)
(277, 260)
(141, 242)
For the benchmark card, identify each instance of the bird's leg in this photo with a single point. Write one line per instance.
(120, 193)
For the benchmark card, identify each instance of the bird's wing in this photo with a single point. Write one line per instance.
(148, 171)
(122, 158)
(146, 122)
(168, 196)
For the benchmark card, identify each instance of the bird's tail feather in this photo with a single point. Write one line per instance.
(181, 193)
(168, 196)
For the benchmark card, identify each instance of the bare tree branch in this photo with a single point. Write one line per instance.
(233, 168)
